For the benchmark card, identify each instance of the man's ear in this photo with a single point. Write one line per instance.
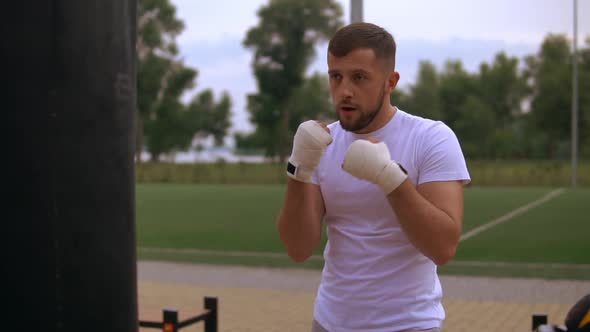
(392, 80)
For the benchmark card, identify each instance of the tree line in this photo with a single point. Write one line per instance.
(509, 108)
(164, 123)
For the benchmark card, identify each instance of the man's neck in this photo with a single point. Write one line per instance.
(381, 120)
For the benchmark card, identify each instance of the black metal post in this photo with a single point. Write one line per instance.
(538, 320)
(211, 320)
(170, 321)
(575, 99)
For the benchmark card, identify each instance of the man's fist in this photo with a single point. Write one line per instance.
(309, 143)
(371, 161)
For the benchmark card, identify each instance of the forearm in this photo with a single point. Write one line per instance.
(434, 232)
(299, 222)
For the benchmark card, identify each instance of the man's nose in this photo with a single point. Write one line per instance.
(346, 89)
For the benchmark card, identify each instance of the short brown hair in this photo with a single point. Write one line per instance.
(363, 35)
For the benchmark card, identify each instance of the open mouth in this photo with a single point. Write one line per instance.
(347, 109)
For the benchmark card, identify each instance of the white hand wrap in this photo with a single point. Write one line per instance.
(309, 143)
(372, 162)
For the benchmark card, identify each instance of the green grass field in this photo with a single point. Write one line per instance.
(225, 224)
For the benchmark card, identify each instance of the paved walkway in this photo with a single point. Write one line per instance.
(260, 299)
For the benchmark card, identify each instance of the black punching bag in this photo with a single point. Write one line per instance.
(578, 318)
(68, 103)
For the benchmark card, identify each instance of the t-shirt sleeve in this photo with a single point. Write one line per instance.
(440, 157)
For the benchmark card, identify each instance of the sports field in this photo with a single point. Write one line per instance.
(511, 232)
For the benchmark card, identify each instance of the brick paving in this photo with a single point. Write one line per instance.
(258, 299)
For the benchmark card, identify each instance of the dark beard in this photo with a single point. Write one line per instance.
(366, 118)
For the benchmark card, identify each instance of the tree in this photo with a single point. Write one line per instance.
(157, 28)
(399, 98)
(309, 101)
(166, 122)
(456, 85)
(550, 74)
(485, 109)
(210, 117)
(475, 127)
(424, 98)
(502, 87)
(283, 45)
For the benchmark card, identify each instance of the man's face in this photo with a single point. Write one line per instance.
(359, 83)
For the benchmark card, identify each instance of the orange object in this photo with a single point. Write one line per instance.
(168, 327)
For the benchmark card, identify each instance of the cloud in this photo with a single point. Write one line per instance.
(216, 20)
(223, 65)
(525, 21)
(471, 52)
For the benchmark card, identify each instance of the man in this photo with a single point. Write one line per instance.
(390, 222)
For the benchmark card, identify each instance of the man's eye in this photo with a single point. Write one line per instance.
(359, 77)
(335, 76)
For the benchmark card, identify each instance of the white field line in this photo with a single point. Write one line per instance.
(471, 233)
(512, 214)
(521, 265)
(222, 253)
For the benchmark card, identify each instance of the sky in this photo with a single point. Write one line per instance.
(472, 31)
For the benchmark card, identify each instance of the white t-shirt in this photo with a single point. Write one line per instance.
(374, 279)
